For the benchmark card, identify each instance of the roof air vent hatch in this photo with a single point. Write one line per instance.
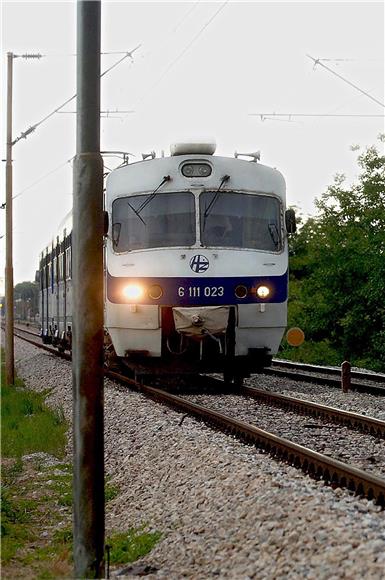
(193, 148)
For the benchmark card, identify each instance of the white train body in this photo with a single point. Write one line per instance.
(196, 264)
(175, 281)
(55, 277)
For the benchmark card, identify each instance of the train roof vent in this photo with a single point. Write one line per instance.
(193, 148)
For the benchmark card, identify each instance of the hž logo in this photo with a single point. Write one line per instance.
(199, 264)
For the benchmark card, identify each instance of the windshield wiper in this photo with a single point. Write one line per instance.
(116, 229)
(208, 209)
(150, 198)
(136, 213)
(273, 230)
(153, 194)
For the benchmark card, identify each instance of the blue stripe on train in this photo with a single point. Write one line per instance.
(210, 291)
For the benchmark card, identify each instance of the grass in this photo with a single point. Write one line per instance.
(131, 545)
(28, 425)
(36, 499)
(318, 353)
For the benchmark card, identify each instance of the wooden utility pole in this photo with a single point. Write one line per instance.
(87, 345)
(9, 344)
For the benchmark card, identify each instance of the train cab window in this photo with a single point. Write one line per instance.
(167, 220)
(240, 220)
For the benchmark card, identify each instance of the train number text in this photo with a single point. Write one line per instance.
(198, 291)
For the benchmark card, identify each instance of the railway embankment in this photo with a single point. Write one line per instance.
(223, 509)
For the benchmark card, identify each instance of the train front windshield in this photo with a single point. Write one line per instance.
(240, 220)
(147, 221)
(227, 219)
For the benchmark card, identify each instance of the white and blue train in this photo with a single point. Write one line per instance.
(196, 265)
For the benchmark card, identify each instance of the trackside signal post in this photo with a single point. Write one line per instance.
(87, 345)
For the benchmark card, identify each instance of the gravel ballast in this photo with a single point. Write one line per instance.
(364, 451)
(225, 510)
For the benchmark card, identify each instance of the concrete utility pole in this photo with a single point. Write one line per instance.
(9, 344)
(87, 346)
(9, 303)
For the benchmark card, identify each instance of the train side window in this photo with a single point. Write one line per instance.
(50, 276)
(54, 273)
(60, 273)
(68, 264)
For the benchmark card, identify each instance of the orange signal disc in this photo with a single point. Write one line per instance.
(295, 336)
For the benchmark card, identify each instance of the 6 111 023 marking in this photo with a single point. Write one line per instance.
(198, 291)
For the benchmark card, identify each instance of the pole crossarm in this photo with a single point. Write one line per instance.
(32, 128)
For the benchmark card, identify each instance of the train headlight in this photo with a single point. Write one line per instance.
(155, 292)
(241, 291)
(133, 291)
(263, 291)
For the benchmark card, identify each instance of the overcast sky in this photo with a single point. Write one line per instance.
(202, 69)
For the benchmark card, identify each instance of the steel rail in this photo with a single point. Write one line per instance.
(311, 462)
(50, 350)
(366, 424)
(329, 381)
(362, 375)
(370, 377)
(27, 331)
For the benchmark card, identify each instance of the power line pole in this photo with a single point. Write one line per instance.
(9, 302)
(9, 344)
(87, 346)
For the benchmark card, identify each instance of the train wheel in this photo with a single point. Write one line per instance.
(233, 380)
(228, 377)
(238, 381)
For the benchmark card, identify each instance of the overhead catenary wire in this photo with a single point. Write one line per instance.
(106, 114)
(32, 128)
(172, 31)
(58, 110)
(318, 62)
(43, 177)
(105, 72)
(350, 59)
(183, 52)
(265, 115)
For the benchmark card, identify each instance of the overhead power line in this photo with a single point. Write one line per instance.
(43, 177)
(31, 129)
(351, 59)
(106, 113)
(318, 61)
(266, 115)
(119, 154)
(25, 134)
(183, 52)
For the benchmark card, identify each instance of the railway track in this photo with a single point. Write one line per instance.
(317, 465)
(363, 382)
(363, 423)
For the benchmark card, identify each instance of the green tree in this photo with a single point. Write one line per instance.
(338, 267)
(26, 296)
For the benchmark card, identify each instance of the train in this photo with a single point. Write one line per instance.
(195, 265)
